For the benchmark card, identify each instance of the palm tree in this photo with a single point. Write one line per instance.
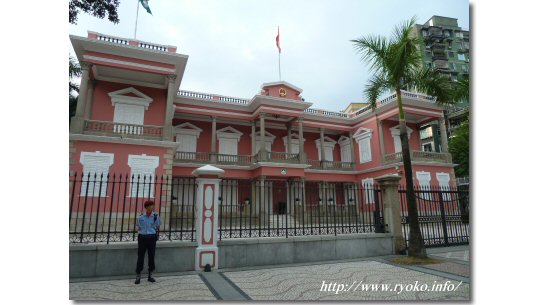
(396, 64)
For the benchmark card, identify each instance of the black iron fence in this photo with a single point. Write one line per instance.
(443, 215)
(286, 208)
(104, 208)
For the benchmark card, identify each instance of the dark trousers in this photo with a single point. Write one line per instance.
(146, 242)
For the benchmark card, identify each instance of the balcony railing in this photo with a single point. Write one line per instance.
(282, 157)
(334, 165)
(205, 157)
(122, 129)
(419, 156)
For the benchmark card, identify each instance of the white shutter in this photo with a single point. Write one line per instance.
(328, 153)
(397, 144)
(187, 143)
(365, 150)
(346, 154)
(128, 114)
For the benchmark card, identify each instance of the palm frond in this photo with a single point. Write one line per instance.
(378, 84)
(74, 68)
(431, 82)
(373, 50)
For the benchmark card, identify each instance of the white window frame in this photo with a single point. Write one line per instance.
(122, 103)
(294, 143)
(363, 137)
(329, 148)
(461, 56)
(395, 132)
(368, 190)
(92, 187)
(147, 189)
(231, 136)
(182, 132)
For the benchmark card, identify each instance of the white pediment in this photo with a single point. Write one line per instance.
(229, 132)
(125, 96)
(269, 137)
(395, 131)
(343, 140)
(362, 133)
(188, 129)
(327, 142)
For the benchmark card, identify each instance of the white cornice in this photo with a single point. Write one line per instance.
(120, 140)
(229, 132)
(190, 130)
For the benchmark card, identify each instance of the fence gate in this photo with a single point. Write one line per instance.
(443, 215)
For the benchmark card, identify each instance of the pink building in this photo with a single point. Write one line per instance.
(133, 117)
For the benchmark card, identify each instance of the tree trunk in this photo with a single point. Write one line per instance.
(416, 243)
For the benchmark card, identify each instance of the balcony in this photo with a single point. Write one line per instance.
(416, 155)
(107, 128)
(278, 157)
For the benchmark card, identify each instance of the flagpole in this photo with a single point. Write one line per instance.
(136, 23)
(279, 77)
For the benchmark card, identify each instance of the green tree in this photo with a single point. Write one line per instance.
(97, 8)
(458, 146)
(74, 71)
(396, 64)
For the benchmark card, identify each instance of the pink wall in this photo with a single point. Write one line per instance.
(102, 109)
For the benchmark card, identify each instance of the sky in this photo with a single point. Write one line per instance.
(232, 49)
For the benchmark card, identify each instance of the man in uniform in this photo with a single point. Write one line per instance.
(148, 229)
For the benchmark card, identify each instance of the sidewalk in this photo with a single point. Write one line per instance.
(338, 280)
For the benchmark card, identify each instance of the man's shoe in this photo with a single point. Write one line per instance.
(137, 281)
(150, 278)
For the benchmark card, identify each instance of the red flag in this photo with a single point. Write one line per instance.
(278, 40)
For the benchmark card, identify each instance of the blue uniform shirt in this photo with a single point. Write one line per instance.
(148, 225)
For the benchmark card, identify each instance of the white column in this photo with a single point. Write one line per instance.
(77, 122)
(169, 115)
(89, 100)
(351, 147)
(213, 155)
(208, 182)
(253, 139)
(302, 155)
(322, 149)
(262, 156)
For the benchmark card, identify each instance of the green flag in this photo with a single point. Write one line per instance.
(145, 5)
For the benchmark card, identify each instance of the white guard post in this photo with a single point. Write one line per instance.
(208, 181)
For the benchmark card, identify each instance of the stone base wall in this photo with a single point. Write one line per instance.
(177, 256)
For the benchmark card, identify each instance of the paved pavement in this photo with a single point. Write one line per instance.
(375, 278)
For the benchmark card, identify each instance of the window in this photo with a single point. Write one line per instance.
(424, 33)
(294, 143)
(228, 138)
(95, 170)
(464, 68)
(459, 34)
(187, 135)
(395, 132)
(368, 190)
(129, 110)
(452, 66)
(269, 140)
(142, 175)
(461, 56)
(427, 147)
(451, 54)
(363, 136)
(328, 146)
(345, 149)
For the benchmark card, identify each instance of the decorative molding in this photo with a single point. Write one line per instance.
(362, 133)
(395, 131)
(119, 140)
(127, 63)
(120, 96)
(190, 130)
(229, 132)
(269, 137)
